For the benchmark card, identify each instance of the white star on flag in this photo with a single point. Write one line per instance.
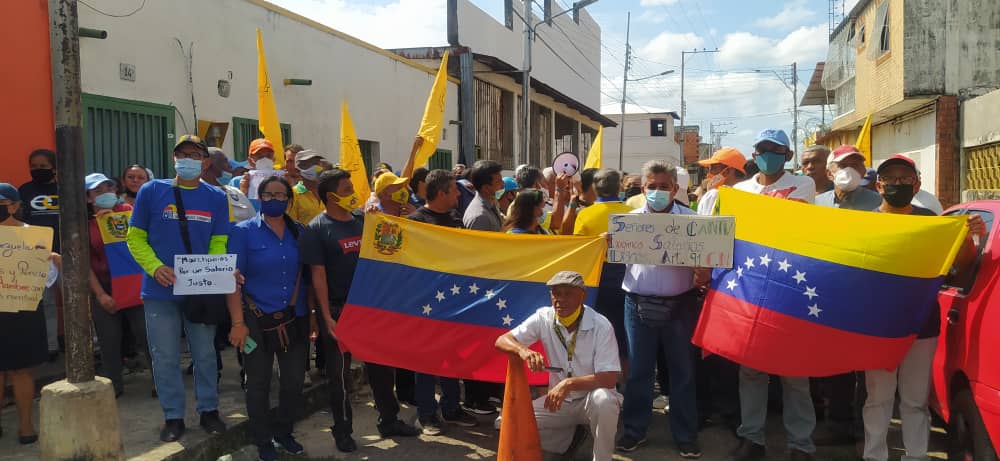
(814, 310)
(810, 292)
(502, 304)
(455, 290)
(739, 272)
(507, 320)
(440, 296)
(800, 277)
(489, 294)
(783, 265)
(749, 262)
(427, 309)
(473, 288)
(765, 260)
(730, 285)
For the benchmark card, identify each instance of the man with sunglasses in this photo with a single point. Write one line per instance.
(725, 168)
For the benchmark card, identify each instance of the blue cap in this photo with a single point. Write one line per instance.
(9, 192)
(509, 184)
(93, 180)
(870, 176)
(233, 164)
(775, 136)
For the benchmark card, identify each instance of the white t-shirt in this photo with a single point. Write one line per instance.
(706, 206)
(789, 186)
(239, 204)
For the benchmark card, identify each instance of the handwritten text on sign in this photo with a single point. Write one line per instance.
(204, 274)
(672, 240)
(24, 266)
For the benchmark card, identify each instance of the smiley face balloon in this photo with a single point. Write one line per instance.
(566, 163)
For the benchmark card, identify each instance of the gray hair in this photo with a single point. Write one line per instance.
(655, 167)
(818, 148)
(607, 183)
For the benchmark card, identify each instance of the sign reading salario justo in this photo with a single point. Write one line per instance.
(204, 274)
(671, 240)
(24, 266)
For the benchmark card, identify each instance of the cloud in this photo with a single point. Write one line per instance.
(390, 25)
(667, 46)
(793, 14)
(804, 45)
(649, 3)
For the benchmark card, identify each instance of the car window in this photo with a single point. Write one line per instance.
(963, 279)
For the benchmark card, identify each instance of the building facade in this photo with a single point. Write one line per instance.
(648, 136)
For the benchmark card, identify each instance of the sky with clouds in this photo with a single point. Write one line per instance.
(739, 89)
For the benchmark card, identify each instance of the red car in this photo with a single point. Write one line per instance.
(966, 375)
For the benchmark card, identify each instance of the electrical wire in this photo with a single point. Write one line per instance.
(111, 15)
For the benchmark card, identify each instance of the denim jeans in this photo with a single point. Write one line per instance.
(643, 342)
(164, 320)
(799, 415)
(427, 404)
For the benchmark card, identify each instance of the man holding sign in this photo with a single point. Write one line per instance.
(176, 217)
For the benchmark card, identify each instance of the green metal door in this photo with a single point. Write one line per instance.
(441, 160)
(121, 132)
(246, 130)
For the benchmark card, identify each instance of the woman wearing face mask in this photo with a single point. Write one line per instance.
(527, 214)
(108, 316)
(22, 337)
(40, 199)
(132, 179)
(269, 315)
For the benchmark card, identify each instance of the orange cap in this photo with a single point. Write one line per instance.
(260, 143)
(728, 156)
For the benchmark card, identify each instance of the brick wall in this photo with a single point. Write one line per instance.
(691, 141)
(947, 141)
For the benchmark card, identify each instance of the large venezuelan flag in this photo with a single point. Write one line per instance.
(434, 299)
(818, 291)
(126, 275)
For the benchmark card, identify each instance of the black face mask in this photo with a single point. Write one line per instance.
(632, 191)
(4, 213)
(43, 175)
(897, 195)
(130, 193)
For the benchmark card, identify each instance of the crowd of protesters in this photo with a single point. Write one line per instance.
(297, 233)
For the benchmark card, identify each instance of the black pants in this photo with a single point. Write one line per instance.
(258, 365)
(406, 382)
(109, 334)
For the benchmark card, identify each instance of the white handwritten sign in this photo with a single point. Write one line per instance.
(24, 266)
(257, 177)
(671, 240)
(204, 274)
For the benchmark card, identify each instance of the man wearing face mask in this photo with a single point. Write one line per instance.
(156, 234)
(846, 168)
(660, 311)
(260, 157)
(219, 174)
(308, 204)
(506, 196)
(771, 151)
(393, 195)
(725, 168)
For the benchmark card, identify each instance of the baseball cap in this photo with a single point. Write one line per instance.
(260, 143)
(9, 192)
(843, 152)
(190, 139)
(307, 154)
(387, 179)
(897, 159)
(728, 156)
(509, 184)
(775, 136)
(870, 176)
(94, 180)
(571, 278)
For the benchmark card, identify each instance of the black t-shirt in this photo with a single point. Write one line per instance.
(429, 216)
(337, 246)
(932, 326)
(40, 205)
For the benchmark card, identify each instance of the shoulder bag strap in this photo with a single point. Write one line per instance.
(182, 219)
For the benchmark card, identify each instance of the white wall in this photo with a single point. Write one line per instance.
(981, 120)
(483, 34)
(639, 146)
(386, 95)
(913, 137)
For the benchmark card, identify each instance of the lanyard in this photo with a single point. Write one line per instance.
(570, 348)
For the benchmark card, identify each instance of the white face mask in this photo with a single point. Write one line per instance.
(847, 179)
(265, 164)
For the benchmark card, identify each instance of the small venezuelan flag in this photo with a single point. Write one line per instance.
(126, 275)
(434, 299)
(818, 291)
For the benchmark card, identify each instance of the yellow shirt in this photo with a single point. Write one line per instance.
(305, 207)
(593, 220)
(636, 201)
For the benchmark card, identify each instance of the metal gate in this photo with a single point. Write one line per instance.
(121, 132)
(245, 130)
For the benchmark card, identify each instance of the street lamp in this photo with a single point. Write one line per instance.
(794, 88)
(621, 126)
(529, 34)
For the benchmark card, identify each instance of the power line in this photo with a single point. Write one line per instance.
(111, 15)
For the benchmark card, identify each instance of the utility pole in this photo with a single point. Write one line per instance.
(621, 127)
(795, 115)
(684, 104)
(526, 87)
(71, 408)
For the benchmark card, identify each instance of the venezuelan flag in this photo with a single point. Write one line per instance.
(126, 275)
(434, 299)
(818, 291)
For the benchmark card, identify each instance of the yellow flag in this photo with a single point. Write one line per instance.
(267, 113)
(433, 121)
(350, 155)
(864, 142)
(594, 156)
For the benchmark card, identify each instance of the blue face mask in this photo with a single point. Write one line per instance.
(541, 218)
(770, 162)
(225, 177)
(187, 168)
(273, 208)
(107, 200)
(658, 200)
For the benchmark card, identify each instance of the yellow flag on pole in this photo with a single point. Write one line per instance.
(594, 155)
(350, 154)
(433, 121)
(267, 113)
(864, 142)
